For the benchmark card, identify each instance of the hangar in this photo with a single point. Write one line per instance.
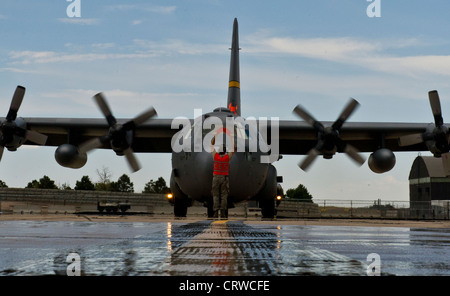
(429, 188)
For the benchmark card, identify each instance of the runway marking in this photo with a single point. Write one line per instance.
(212, 252)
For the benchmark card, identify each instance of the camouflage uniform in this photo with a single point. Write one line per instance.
(220, 183)
(220, 191)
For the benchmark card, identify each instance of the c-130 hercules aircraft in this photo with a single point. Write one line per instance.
(251, 178)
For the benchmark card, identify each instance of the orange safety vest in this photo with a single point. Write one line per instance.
(221, 164)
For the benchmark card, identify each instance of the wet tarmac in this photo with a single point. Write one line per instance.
(225, 248)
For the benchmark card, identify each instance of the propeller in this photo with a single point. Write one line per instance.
(13, 130)
(329, 142)
(437, 137)
(120, 136)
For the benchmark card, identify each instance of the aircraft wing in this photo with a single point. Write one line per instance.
(152, 136)
(298, 137)
(295, 137)
(381, 139)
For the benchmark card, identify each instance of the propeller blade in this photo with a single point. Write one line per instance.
(90, 145)
(353, 153)
(1, 152)
(329, 141)
(118, 134)
(132, 161)
(104, 107)
(350, 150)
(409, 140)
(145, 116)
(36, 137)
(300, 111)
(140, 119)
(436, 107)
(15, 103)
(312, 155)
(446, 163)
(345, 114)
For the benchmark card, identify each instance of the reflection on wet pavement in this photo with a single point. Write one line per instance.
(218, 248)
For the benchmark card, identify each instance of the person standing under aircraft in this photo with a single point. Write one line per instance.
(220, 183)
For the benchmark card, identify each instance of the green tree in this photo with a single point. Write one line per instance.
(33, 184)
(84, 184)
(46, 183)
(43, 183)
(3, 184)
(123, 184)
(158, 186)
(299, 193)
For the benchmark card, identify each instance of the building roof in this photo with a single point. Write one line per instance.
(427, 166)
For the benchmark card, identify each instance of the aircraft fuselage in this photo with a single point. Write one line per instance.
(193, 170)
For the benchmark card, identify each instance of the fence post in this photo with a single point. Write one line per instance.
(351, 209)
(448, 210)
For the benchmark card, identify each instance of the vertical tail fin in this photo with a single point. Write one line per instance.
(234, 90)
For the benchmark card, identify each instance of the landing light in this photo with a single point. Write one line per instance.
(279, 197)
(169, 196)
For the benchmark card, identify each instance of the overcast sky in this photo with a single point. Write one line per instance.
(174, 55)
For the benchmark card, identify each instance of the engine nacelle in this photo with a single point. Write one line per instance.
(432, 133)
(381, 161)
(13, 140)
(68, 156)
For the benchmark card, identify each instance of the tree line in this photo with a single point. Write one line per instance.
(123, 184)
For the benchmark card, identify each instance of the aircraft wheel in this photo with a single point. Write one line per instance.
(180, 209)
(267, 208)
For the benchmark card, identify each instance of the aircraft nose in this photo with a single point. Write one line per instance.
(201, 175)
(204, 164)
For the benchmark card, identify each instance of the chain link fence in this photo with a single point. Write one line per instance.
(378, 209)
(51, 201)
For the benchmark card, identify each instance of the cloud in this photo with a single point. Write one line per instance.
(320, 48)
(80, 21)
(411, 65)
(144, 7)
(103, 45)
(44, 57)
(122, 102)
(17, 70)
(161, 9)
(372, 55)
(177, 46)
(140, 49)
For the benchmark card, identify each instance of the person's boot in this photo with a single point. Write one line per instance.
(216, 214)
(224, 214)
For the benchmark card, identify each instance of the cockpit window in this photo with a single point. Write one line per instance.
(240, 131)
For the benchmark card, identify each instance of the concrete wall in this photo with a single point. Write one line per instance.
(45, 201)
(41, 201)
(70, 201)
